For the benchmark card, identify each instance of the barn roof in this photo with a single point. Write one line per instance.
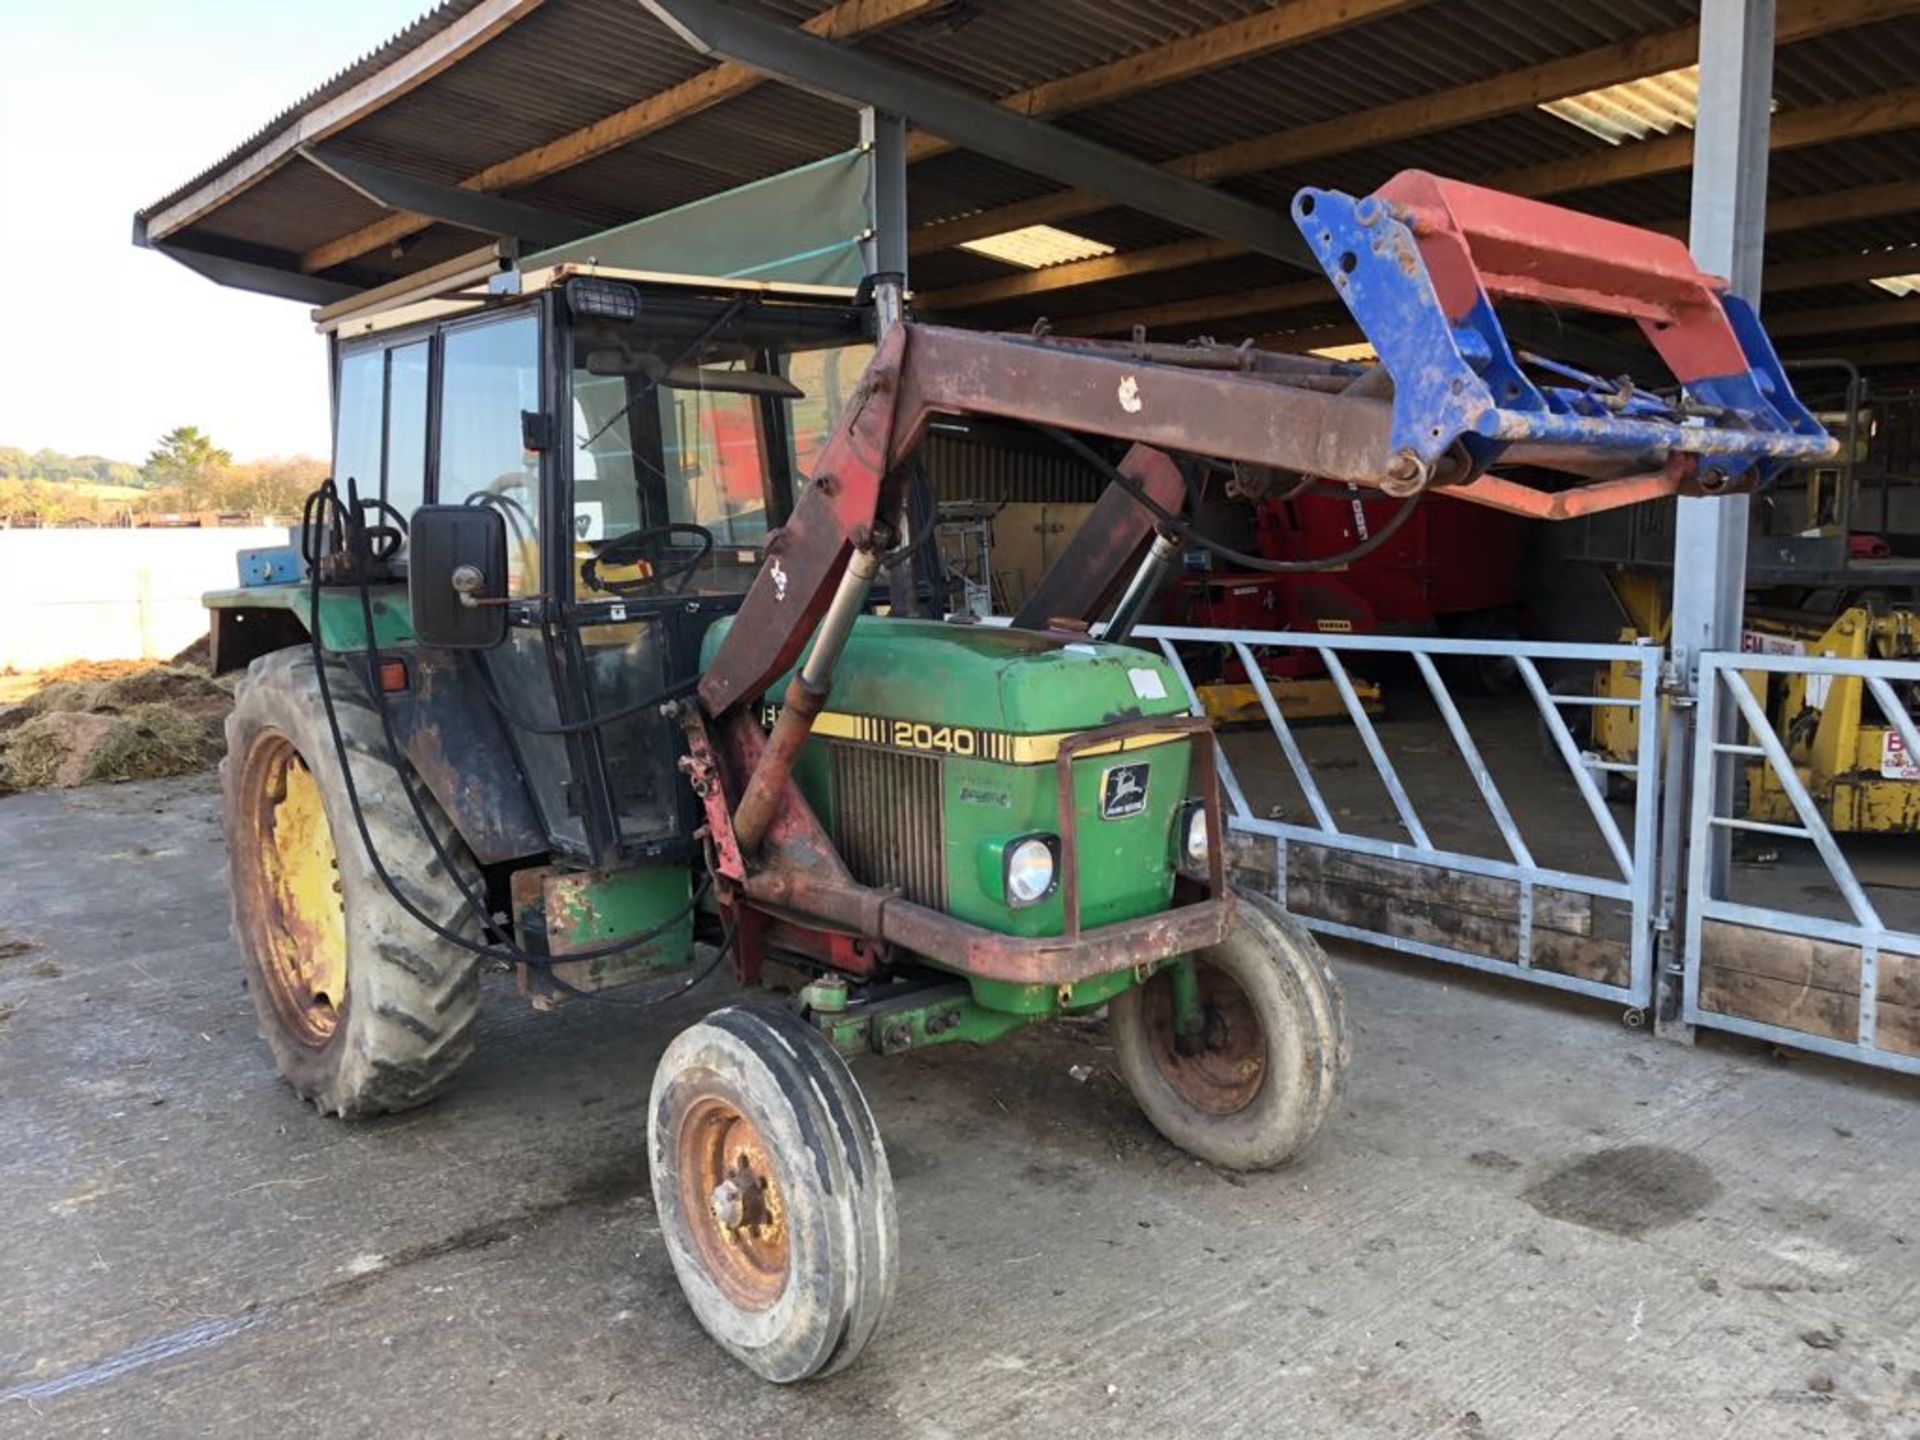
(581, 114)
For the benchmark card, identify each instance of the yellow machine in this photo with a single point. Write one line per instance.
(1313, 699)
(1852, 762)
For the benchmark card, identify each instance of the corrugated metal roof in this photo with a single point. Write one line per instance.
(572, 62)
(427, 26)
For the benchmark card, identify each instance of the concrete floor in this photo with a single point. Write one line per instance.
(1524, 1222)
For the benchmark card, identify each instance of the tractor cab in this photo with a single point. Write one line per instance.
(636, 441)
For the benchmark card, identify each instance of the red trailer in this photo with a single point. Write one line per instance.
(1453, 567)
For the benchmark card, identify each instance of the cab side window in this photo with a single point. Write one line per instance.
(406, 485)
(489, 374)
(356, 433)
(380, 430)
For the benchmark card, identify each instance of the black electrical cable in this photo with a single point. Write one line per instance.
(343, 523)
(655, 997)
(593, 722)
(1187, 532)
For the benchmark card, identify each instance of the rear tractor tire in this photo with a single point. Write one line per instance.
(773, 1192)
(1254, 1086)
(365, 1010)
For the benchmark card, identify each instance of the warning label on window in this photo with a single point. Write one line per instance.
(1895, 762)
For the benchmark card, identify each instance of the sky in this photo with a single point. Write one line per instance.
(105, 106)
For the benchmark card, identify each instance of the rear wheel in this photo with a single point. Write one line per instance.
(1254, 1084)
(774, 1197)
(364, 1009)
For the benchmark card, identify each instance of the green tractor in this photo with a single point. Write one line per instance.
(583, 670)
(469, 733)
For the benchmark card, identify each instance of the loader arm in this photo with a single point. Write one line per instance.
(1418, 264)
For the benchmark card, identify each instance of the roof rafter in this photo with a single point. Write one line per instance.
(855, 78)
(1873, 352)
(1421, 115)
(1807, 212)
(1792, 130)
(700, 92)
(1814, 125)
(1841, 269)
(1839, 319)
(1288, 23)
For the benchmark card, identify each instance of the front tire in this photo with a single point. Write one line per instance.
(1258, 1082)
(365, 1010)
(773, 1192)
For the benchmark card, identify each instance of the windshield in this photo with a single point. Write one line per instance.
(693, 429)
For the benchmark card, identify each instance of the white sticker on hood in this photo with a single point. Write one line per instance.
(1147, 684)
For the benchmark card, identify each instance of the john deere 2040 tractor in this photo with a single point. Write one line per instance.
(578, 668)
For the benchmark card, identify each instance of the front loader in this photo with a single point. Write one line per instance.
(579, 669)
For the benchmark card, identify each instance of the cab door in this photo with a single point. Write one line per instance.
(492, 390)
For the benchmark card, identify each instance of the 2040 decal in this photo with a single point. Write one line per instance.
(920, 735)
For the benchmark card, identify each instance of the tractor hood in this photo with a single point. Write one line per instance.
(990, 678)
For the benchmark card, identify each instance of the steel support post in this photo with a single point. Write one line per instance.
(885, 248)
(1710, 535)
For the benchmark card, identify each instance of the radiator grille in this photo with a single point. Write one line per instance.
(887, 820)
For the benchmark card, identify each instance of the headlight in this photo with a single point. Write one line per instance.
(1031, 870)
(1194, 840)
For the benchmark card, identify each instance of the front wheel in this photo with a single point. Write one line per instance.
(1252, 1082)
(774, 1197)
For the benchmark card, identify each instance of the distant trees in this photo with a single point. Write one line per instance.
(269, 487)
(188, 463)
(55, 468)
(185, 474)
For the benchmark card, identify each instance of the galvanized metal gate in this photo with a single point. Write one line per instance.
(1844, 984)
(1582, 924)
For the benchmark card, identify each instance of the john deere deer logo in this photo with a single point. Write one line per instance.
(1123, 792)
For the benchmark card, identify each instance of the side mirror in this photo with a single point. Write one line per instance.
(457, 576)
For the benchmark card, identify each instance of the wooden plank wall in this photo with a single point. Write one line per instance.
(1573, 934)
(1807, 985)
(1791, 981)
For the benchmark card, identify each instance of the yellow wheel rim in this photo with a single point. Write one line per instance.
(298, 916)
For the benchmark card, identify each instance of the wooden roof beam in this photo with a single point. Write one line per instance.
(1150, 261)
(1840, 269)
(1288, 23)
(1421, 115)
(700, 92)
(1264, 300)
(854, 77)
(1815, 212)
(1844, 319)
(1866, 202)
(1792, 130)
(1291, 22)
(1811, 126)
(1873, 352)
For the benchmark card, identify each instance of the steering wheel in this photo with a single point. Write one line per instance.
(638, 545)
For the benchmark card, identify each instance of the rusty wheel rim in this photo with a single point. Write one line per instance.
(1222, 1071)
(732, 1203)
(295, 909)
